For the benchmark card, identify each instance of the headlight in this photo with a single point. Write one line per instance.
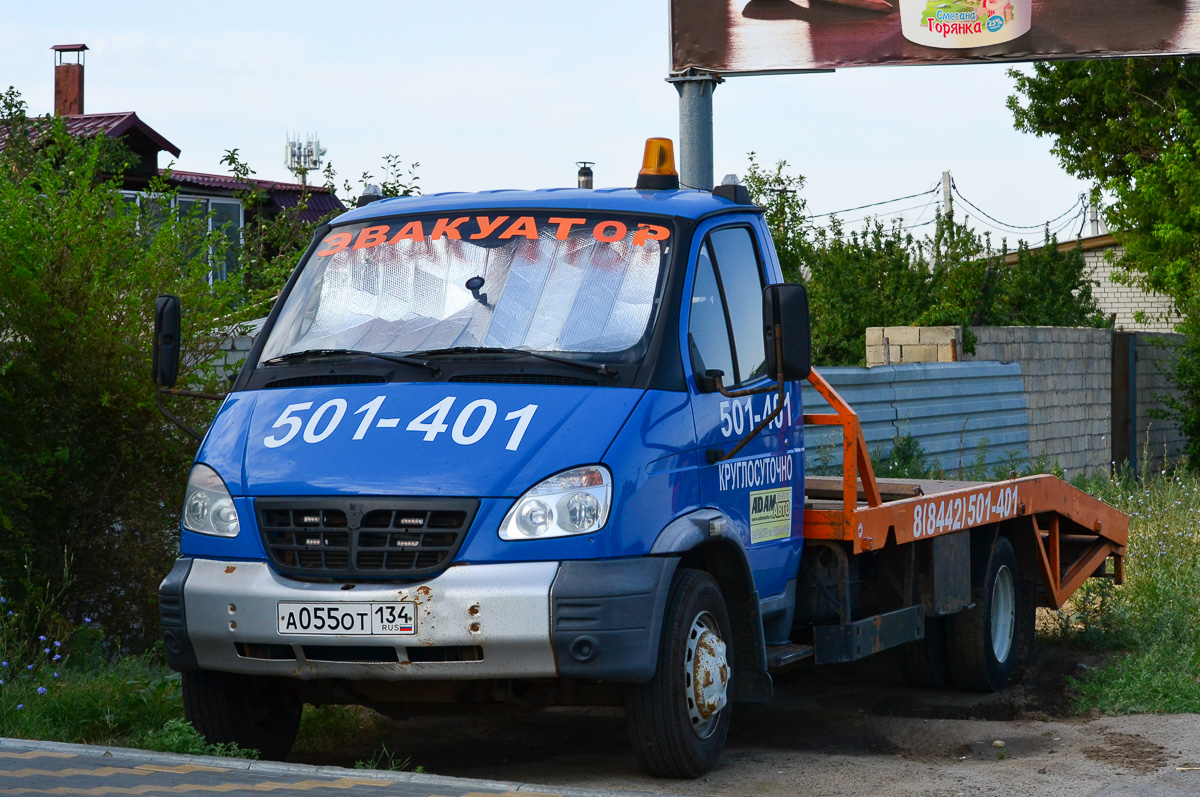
(575, 501)
(207, 506)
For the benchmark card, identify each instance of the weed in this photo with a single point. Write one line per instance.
(178, 736)
(118, 703)
(387, 759)
(338, 727)
(907, 460)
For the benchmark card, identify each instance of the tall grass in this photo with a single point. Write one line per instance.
(72, 684)
(1155, 616)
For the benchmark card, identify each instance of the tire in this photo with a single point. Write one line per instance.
(676, 725)
(983, 641)
(925, 664)
(254, 713)
(1026, 630)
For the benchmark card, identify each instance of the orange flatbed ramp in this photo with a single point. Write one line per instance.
(1075, 533)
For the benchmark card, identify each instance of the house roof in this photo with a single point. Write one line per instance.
(114, 125)
(321, 200)
(320, 203)
(1089, 244)
(227, 182)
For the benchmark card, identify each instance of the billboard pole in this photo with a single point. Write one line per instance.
(696, 127)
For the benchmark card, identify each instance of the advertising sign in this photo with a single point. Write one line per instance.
(755, 36)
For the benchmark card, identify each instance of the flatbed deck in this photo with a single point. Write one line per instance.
(1075, 533)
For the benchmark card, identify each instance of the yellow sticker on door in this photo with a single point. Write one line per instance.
(770, 515)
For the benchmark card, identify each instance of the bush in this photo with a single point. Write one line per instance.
(91, 476)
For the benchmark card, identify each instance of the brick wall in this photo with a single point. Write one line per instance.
(1123, 301)
(236, 347)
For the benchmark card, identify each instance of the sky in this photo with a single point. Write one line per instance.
(487, 95)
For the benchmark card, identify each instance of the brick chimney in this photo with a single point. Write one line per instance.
(68, 79)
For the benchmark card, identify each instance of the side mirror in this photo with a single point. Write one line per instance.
(165, 360)
(785, 307)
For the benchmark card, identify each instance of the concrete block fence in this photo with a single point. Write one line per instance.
(1068, 385)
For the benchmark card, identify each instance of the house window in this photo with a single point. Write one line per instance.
(223, 215)
(226, 216)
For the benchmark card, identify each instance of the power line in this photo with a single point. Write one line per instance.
(1067, 218)
(873, 204)
(928, 204)
(1014, 228)
(893, 214)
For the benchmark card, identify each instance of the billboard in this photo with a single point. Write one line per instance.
(756, 36)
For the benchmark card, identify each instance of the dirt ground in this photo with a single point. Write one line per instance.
(848, 730)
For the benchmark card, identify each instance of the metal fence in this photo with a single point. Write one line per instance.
(967, 416)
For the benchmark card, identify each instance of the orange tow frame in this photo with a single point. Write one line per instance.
(1074, 532)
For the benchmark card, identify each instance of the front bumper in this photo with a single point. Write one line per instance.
(498, 615)
(593, 620)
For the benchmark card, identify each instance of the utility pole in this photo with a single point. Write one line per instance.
(947, 202)
(1094, 214)
(696, 127)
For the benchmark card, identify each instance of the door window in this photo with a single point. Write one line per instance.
(708, 326)
(741, 278)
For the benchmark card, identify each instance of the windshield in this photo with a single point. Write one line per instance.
(568, 282)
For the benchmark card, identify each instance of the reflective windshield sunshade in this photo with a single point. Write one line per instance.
(538, 282)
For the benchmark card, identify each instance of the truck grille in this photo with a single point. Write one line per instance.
(363, 538)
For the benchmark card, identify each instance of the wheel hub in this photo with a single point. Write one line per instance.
(706, 674)
(1004, 603)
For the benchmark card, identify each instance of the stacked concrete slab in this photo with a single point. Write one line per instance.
(894, 345)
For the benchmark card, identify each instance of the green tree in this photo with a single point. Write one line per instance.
(863, 278)
(882, 275)
(1132, 128)
(785, 211)
(91, 476)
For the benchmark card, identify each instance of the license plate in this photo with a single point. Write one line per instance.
(352, 619)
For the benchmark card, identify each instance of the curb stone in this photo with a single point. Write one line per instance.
(309, 770)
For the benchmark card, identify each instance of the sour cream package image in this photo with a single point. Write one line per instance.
(954, 24)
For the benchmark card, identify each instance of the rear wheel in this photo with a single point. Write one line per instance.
(254, 713)
(983, 641)
(1026, 628)
(679, 720)
(925, 663)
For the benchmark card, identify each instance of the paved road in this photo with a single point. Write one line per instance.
(29, 767)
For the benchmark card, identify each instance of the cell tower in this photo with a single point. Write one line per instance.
(302, 157)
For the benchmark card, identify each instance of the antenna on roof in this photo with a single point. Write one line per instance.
(302, 157)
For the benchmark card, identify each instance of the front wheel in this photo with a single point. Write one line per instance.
(255, 713)
(984, 640)
(678, 721)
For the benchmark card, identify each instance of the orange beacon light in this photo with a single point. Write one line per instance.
(658, 166)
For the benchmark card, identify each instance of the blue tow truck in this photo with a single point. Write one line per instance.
(517, 449)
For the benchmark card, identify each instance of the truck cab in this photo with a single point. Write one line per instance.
(477, 455)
